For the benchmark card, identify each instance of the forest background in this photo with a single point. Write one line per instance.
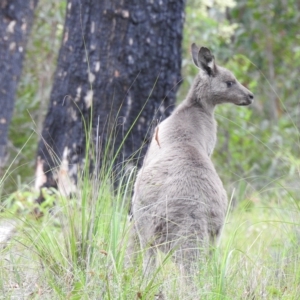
(257, 40)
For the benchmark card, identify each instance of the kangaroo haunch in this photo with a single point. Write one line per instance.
(179, 202)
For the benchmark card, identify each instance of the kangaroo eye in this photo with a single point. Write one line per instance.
(229, 83)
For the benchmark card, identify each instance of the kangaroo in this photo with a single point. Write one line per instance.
(179, 203)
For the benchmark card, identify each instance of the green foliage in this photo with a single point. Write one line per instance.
(258, 144)
(268, 32)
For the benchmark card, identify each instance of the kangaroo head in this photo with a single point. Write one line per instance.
(218, 84)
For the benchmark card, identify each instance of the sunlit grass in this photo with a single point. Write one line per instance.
(78, 251)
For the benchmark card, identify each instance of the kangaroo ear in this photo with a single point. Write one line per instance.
(195, 50)
(206, 61)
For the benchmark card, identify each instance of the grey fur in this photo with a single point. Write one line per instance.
(179, 202)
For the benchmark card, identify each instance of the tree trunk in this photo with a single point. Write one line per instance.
(273, 104)
(16, 18)
(119, 63)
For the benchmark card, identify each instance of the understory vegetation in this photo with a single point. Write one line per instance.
(78, 248)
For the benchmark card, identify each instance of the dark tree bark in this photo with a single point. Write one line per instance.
(114, 56)
(16, 18)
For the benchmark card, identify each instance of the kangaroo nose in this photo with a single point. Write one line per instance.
(251, 96)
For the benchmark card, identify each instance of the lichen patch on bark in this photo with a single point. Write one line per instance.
(88, 99)
(40, 177)
(65, 183)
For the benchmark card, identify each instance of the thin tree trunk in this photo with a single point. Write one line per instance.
(273, 104)
(119, 62)
(16, 18)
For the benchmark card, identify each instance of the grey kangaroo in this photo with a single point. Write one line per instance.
(179, 203)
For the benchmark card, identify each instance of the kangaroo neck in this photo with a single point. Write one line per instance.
(200, 122)
(199, 95)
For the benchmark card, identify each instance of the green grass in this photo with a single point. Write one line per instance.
(77, 250)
